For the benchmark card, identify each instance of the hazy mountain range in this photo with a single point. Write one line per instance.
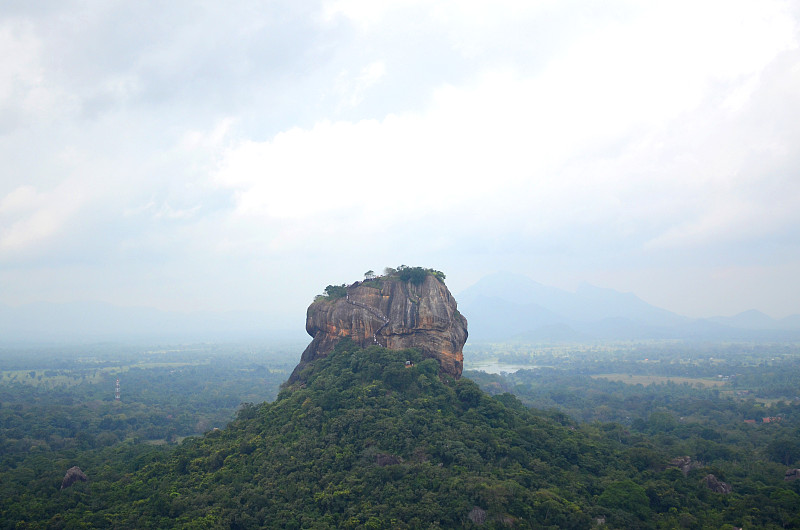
(506, 306)
(499, 307)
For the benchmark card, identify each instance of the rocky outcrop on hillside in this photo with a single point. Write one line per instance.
(383, 460)
(393, 313)
(477, 515)
(685, 464)
(74, 474)
(716, 485)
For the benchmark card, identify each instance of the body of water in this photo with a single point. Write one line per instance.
(494, 367)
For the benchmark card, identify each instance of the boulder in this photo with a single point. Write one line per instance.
(477, 515)
(791, 474)
(73, 475)
(716, 485)
(383, 460)
(685, 464)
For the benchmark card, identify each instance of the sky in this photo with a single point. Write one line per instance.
(243, 155)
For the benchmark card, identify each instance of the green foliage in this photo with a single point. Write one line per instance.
(658, 423)
(627, 496)
(366, 442)
(417, 275)
(166, 395)
(414, 275)
(784, 450)
(332, 292)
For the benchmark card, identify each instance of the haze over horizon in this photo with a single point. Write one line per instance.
(242, 156)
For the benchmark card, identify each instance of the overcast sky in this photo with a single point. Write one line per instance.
(192, 155)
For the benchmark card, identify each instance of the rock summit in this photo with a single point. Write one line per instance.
(408, 307)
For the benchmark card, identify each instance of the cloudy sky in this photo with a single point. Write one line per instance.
(242, 155)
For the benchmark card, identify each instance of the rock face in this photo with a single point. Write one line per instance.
(74, 474)
(477, 515)
(685, 464)
(392, 313)
(716, 485)
(383, 460)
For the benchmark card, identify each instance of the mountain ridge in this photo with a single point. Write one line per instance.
(506, 306)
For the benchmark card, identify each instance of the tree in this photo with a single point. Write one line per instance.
(784, 450)
(627, 496)
(369, 275)
(336, 291)
(415, 275)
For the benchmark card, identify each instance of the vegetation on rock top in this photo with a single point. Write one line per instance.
(415, 275)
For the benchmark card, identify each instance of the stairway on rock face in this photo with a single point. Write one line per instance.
(374, 312)
(377, 331)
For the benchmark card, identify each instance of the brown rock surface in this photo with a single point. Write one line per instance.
(477, 515)
(685, 464)
(394, 314)
(74, 474)
(383, 460)
(716, 485)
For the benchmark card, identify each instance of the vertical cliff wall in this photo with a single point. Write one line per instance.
(392, 313)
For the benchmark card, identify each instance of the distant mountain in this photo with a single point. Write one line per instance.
(97, 321)
(506, 306)
(499, 307)
(552, 333)
(753, 319)
(790, 322)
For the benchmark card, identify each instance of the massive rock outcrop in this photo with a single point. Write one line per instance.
(392, 313)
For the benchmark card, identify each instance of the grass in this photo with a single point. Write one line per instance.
(63, 377)
(80, 376)
(646, 380)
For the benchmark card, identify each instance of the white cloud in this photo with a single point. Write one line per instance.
(351, 89)
(19, 200)
(363, 12)
(449, 14)
(30, 218)
(213, 140)
(23, 87)
(457, 131)
(596, 137)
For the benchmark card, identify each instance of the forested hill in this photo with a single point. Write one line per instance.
(371, 442)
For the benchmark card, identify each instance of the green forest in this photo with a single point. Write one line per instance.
(622, 437)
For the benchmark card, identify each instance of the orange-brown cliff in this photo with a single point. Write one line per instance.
(392, 313)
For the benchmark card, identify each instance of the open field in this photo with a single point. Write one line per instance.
(494, 366)
(67, 377)
(645, 380)
(52, 378)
